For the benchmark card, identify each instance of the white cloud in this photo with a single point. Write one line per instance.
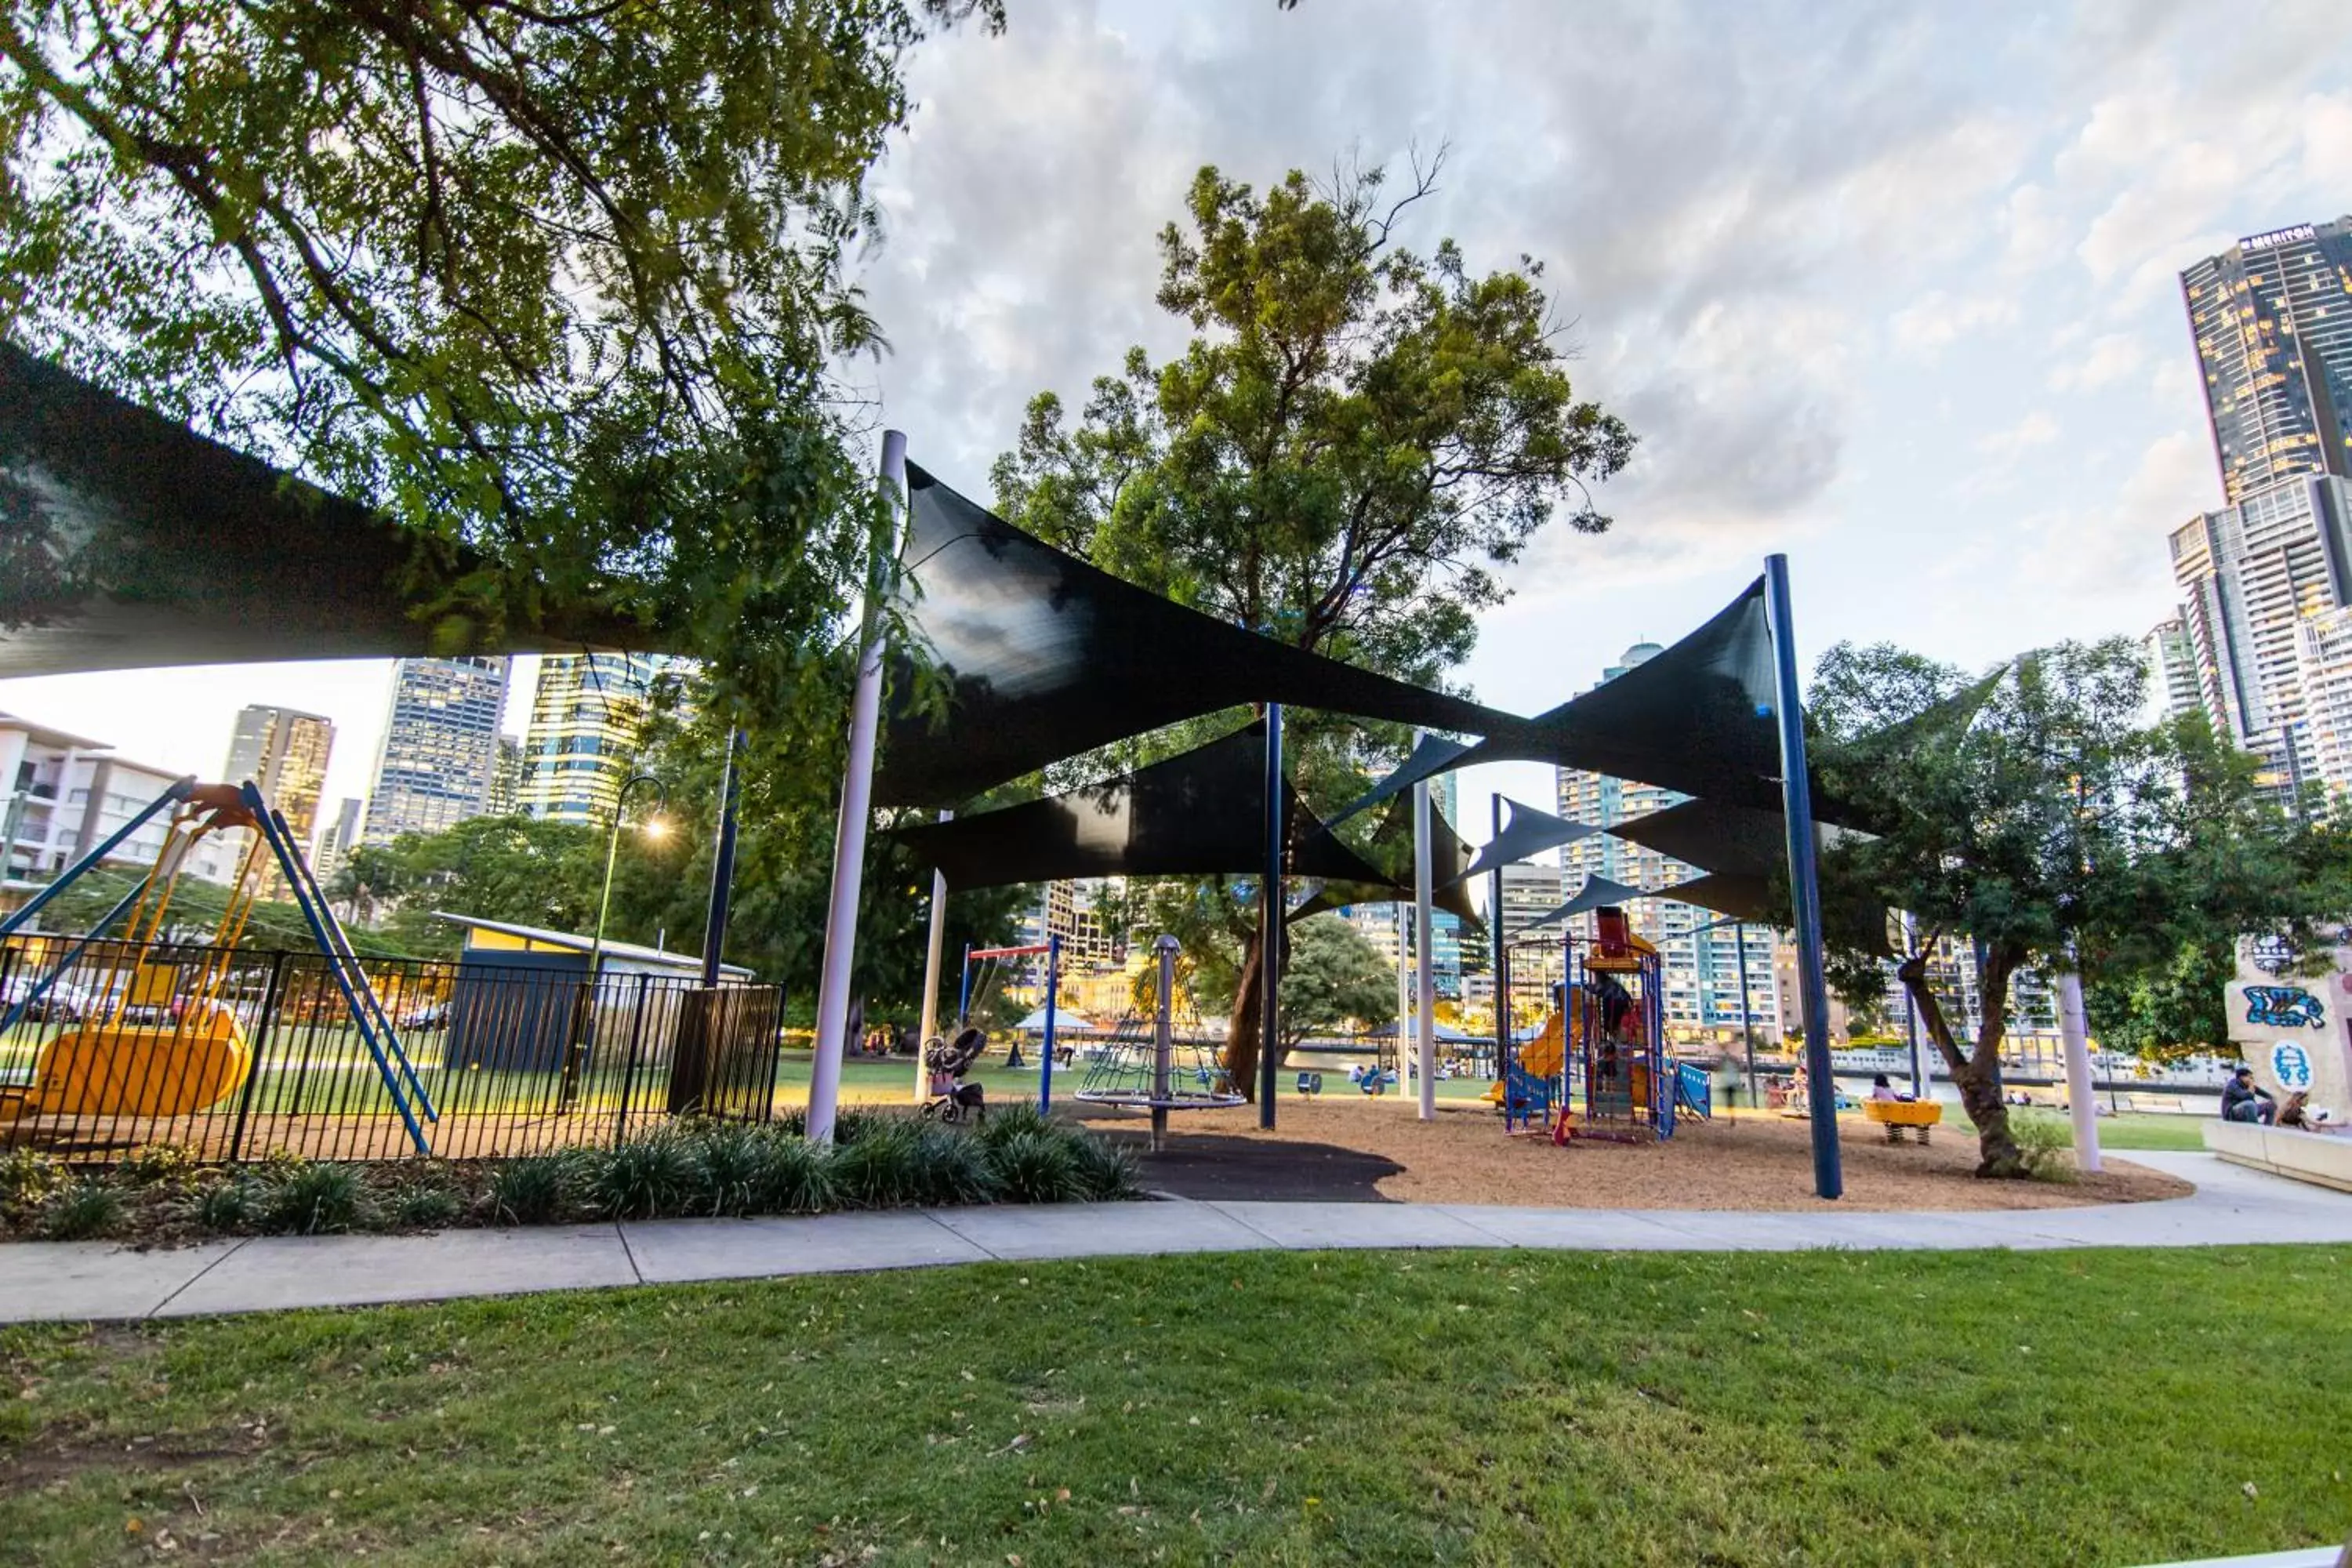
(2111, 358)
(1924, 329)
(2036, 429)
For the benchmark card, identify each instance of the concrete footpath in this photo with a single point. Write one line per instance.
(77, 1280)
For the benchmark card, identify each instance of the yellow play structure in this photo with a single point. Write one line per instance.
(156, 1039)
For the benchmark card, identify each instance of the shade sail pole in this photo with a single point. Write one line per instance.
(1270, 901)
(1804, 882)
(1502, 981)
(722, 861)
(856, 794)
(933, 956)
(2082, 1099)
(1424, 938)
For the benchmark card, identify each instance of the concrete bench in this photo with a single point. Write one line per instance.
(2323, 1158)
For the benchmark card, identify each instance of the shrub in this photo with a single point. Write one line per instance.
(733, 1163)
(81, 1212)
(1011, 1121)
(155, 1164)
(1107, 1172)
(534, 1190)
(2045, 1143)
(426, 1205)
(881, 1166)
(950, 1169)
(314, 1199)
(26, 1177)
(1037, 1166)
(226, 1206)
(647, 1177)
(800, 1176)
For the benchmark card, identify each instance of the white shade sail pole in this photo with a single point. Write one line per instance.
(857, 799)
(932, 957)
(2081, 1100)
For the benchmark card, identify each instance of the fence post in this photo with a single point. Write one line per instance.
(264, 1031)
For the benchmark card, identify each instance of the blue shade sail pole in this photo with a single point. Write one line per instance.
(856, 798)
(180, 791)
(722, 863)
(1425, 941)
(1501, 982)
(963, 990)
(1804, 882)
(1053, 991)
(1270, 901)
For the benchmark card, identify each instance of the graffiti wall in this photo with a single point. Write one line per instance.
(2295, 1030)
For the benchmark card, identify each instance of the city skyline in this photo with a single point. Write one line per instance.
(2266, 579)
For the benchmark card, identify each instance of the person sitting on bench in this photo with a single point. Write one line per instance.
(2241, 1100)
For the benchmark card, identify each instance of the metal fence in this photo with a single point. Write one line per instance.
(236, 1056)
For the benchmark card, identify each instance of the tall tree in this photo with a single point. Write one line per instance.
(1333, 977)
(2038, 817)
(561, 281)
(1354, 438)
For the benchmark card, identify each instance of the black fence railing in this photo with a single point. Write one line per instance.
(236, 1056)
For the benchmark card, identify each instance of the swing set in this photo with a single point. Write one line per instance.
(158, 1038)
(976, 993)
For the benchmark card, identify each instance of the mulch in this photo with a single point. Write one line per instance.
(1379, 1152)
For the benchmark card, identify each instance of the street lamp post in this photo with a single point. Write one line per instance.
(654, 827)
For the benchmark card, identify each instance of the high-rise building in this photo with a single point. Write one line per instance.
(2273, 319)
(586, 721)
(341, 837)
(2248, 574)
(61, 795)
(2323, 650)
(1699, 968)
(506, 779)
(439, 758)
(1074, 912)
(285, 753)
(2173, 686)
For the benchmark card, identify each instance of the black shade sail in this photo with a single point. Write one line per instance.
(1696, 718)
(1750, 898)
(1713, 836)
(1434, 755)
(1391, 853)
(1046, 656)
(1526, 831)
(128, 541)
(1200, 813)
(1598, 892)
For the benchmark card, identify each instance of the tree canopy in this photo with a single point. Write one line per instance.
(561, 281)
(1333, 977)
(1354, 438)
(2034, 811)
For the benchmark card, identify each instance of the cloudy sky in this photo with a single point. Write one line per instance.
(1893, 292)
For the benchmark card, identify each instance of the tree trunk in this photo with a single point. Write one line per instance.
(1977, 1074)
(1242, 1025)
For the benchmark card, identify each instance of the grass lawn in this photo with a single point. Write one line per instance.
(2149, 1130)
(2083, 1407)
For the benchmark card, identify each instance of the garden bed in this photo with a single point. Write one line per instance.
(879, 1161)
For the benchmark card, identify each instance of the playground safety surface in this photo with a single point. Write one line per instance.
(1379, 1151)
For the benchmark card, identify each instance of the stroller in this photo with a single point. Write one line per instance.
(952, 1099)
